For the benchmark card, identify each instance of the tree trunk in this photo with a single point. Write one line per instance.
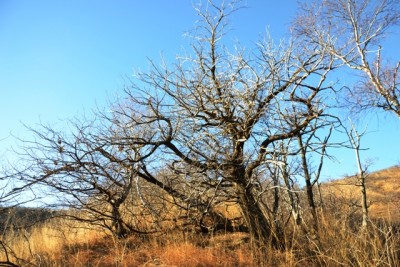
(257, 222)
(118, 226)
(355, 140)
(311, 204)
(309, 186)
(364, 204)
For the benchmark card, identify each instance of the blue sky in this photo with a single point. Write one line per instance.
(59, 59)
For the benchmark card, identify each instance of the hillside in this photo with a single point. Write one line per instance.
(383, 193)
(60, 242)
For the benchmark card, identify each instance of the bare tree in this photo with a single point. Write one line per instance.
(202, 130)
(103, 172)
(311, 145)
(84, 170)
(220, 112)
(355, 144)
(353, 31)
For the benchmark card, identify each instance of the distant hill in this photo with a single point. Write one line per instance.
(383, 193)
(23, 217)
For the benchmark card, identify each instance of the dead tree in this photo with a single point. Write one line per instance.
(214, 119)
(219, 112)
(353, 32)
(83, 170)
(355, 144)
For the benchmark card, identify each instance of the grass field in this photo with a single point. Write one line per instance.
(59, 242)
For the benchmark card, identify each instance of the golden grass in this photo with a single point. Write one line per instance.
(46, 242)
(383, 193)
(337, 246)
(62, 243)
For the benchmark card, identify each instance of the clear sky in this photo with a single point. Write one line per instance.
(59, 59)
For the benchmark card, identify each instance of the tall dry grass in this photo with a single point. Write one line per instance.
(338, 242)
(59, 243)
(45, 243)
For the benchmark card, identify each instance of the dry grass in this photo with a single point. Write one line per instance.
(337, 246)
(44, 244)
(338, 242)
(383, 193)
(48, 246)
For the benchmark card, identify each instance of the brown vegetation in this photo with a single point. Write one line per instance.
(201, 163)
(60, 242)
(383, 189)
